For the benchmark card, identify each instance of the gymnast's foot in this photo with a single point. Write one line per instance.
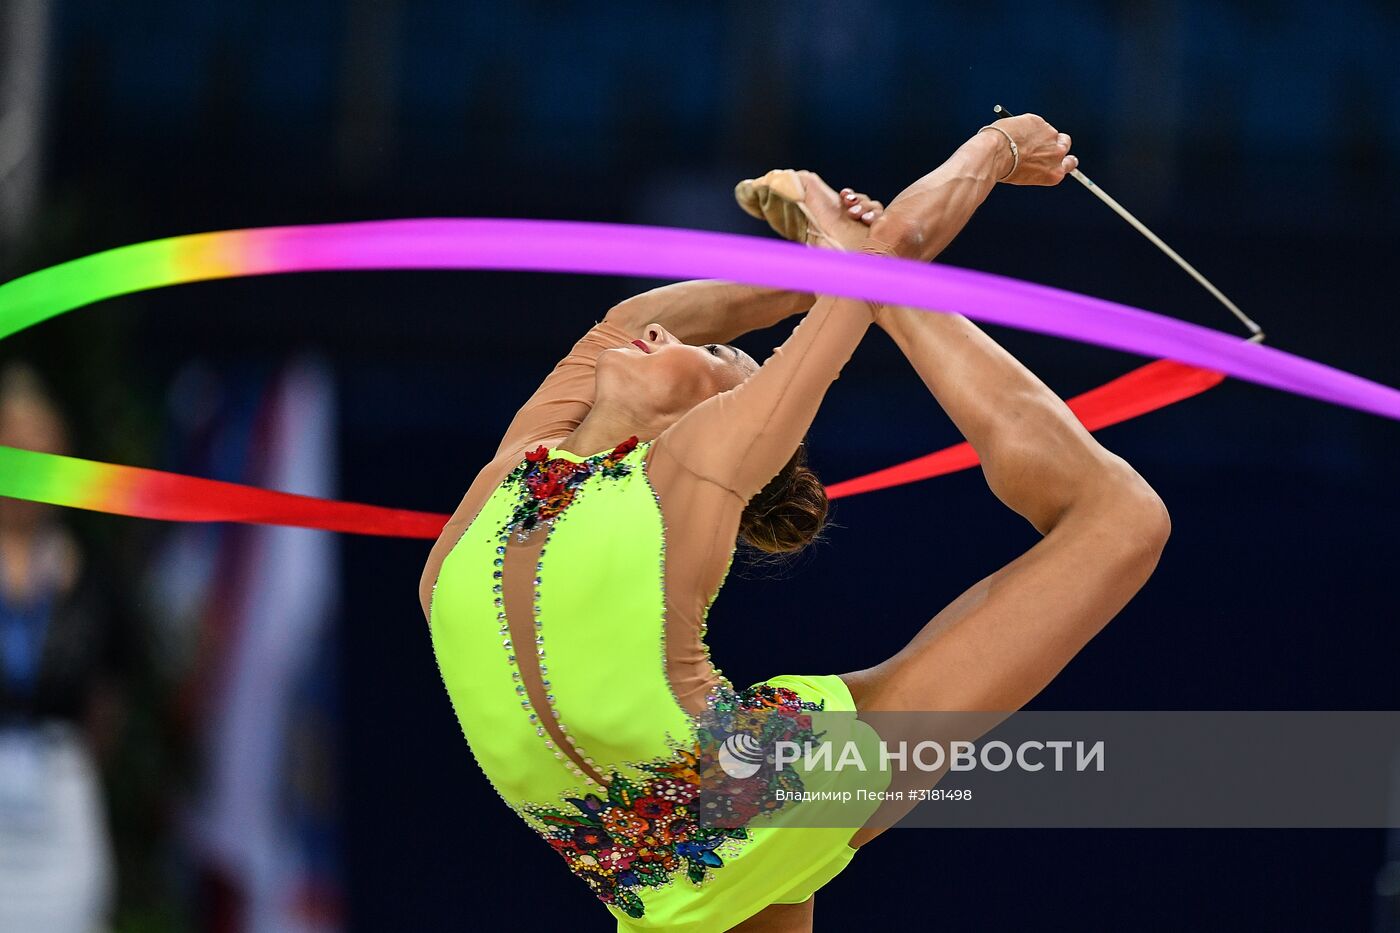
(802, 207)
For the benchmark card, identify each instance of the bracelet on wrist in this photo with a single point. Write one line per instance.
(1015, 152)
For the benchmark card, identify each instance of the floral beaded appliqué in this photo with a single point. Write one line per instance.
(645, 833)
(547, 485)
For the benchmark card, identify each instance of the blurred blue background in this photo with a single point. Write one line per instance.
(1258, 139)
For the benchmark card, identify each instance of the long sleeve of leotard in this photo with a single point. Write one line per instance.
(566, 396)
(741, 438)
(552, 413)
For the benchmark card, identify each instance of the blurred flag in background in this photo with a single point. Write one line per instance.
(250, 631)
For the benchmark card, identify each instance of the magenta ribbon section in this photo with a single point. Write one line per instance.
(1195, 358)
(616, 249)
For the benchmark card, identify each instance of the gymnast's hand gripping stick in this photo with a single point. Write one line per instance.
(1122, 211)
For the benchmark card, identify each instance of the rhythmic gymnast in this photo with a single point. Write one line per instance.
(567, 597)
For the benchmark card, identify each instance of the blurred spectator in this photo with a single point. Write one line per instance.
(59, 660)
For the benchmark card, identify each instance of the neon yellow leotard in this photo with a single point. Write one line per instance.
(567, 601)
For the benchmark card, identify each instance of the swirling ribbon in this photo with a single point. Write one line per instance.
(1196, 358)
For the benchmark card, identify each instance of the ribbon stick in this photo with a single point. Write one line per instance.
(1158, 242)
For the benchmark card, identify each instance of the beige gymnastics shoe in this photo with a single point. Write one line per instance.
(803, 208)
(777, 198)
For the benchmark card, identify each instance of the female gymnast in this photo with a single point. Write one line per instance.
(567, 597)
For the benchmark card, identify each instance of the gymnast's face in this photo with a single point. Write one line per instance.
(662, 377)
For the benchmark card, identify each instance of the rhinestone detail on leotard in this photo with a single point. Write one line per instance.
(546, 487)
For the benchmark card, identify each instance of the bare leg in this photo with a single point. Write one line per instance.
(1000, 642)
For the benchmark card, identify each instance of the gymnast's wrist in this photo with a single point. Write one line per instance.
(1005, 158)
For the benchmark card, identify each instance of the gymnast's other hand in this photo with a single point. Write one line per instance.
(861, 205)
(843, 217)
(1044, 151)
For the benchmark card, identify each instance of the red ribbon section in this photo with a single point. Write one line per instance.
(175, 497)
(1147, 388)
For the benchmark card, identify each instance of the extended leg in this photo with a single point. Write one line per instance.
(1001, 641)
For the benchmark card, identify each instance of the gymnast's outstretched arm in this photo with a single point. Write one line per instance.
(710, 310)
(741, 438)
